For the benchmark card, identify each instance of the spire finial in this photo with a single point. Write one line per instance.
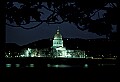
(58, 30)
(58, 27)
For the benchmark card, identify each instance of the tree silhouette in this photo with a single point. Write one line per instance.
(96, 16)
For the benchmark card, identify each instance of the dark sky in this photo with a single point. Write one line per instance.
(44, 31)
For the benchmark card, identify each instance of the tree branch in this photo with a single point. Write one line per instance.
(94, 13)
(98, 15)
(113, 5)
(81, 27)
(56, 22)
(25, 27)
(48, 8)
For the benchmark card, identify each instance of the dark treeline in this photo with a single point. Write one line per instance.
(91, 46)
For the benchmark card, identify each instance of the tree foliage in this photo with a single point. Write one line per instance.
(95, 16)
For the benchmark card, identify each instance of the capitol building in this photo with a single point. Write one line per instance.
(57, 50)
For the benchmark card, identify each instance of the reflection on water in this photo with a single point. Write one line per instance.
(86, 66)
(31, 65)
(66, 66)
(8, 65)
(17, 65)
(57, 65)
(106, 64)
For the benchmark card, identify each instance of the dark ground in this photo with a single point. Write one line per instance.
(62, 74)
(42, 73)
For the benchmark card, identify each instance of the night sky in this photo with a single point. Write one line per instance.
(44, 31)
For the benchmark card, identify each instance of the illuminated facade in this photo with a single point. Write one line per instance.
(60, 51)
(57, 42)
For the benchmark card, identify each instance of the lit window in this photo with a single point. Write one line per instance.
(8, 65)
